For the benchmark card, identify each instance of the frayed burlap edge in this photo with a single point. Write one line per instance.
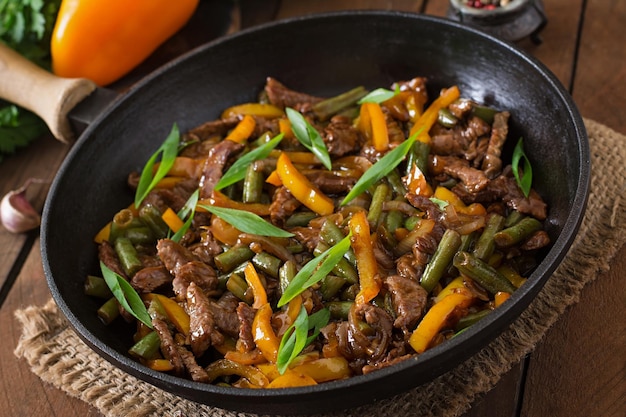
(58, 356)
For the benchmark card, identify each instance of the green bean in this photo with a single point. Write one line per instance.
(471, 319)
(286, 274)
(330, 106)
(331, 235)
(481, 272)
(513, 218)
(253, 184)
(411, 221)
(140, 235)
(440, 260)
(109, 311)
(380, 195)
(122, 221)
(128, 256)
(156, 310)
(396, 184)
(147, 347)
(446, 118)
(343, 268)
(483, 112)
(394, 220)
(239, 287)
(350, 292)
(230, 259)
(418, 156)
(485, 244)
(151, 216)
(267, 263)
(331, 284)
(339, 310)
(517, 233)
(300, 219)
(97, 287)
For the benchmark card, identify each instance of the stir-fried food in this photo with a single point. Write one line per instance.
(298, 239)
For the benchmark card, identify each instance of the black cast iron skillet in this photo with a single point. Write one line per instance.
(322, 55)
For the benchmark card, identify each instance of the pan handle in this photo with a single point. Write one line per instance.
(48, 96)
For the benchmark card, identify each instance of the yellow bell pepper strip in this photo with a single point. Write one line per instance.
(437, 318)
(243, 130)
(325, 369)
(175, 313)
(474, 209)
(254, 109)
(301, 188)
(373, 123)
(224, 231)
(453, 286)
(369, 280)
(429, 117)
(161, 365)
(172, 220)
(220, 200)
(284, 127)
(253, 357)
(225, 367)
(263, 333)
(103, 40)
(500, 297)
(274, 179)
(304, 158)
(292, 379)
(254, 282)
(293, 308)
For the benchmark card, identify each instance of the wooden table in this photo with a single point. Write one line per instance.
(578, 368)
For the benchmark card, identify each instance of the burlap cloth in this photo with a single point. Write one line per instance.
(59, 357)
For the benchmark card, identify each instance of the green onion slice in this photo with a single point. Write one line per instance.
(308, 136)
(379, 95)
(189, 209)
(525, 181)
(126, 295)
(237, 171)
(247, 222)
(168, 151)
(442, 204)
(315, 270)
(296, 338)
(380, 169)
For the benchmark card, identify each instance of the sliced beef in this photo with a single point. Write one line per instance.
(169, 349)
(151, 279)
(202, 328)
(211, 128)
(330, 183)
(282, 97)
(283, 205)
(245, 314)
(214, 164)
(108, 256)
(195, 371)
(538, 240)
(341, 137)
(409, 300)
(474, 180)
(226, 318)
(308, 236)
(492, 164)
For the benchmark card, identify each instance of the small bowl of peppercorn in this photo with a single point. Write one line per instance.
(510, 20)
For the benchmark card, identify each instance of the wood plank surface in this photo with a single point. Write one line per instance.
(577, 370)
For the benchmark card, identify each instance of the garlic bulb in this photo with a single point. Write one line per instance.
(16, 212)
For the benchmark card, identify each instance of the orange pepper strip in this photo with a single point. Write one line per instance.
(270, 370)
(474, 209)
(224, 231)
(292, 379)
(501, 297)
(293, 308)
(274, 179)
(175, 313)
(263, 334)
(172, 220)
(224, 367)
(325, 369)
(429, 117)
(436, 318)
(254, 357)
(243, 130)
(301, 188)
(253, 109)
(102, 40)
(304, 158)
(417, 183)
(455, 285)
(380, 135)
(161, 365)
(258, 290)
(220, 200)
(284, 127)
(367, 267)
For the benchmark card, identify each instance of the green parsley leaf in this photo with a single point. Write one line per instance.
(309, 136)
(247, 222)
(126, 295)
(315, 270)
(168, 152)
(237, 171)
(526, 179)
(380, 169)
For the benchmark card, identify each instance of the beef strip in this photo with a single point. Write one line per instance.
(341, 137)
(108, 256)
(202, 326)
(169, 347)
(226, 318)
(409, 300)
(219, 127)
(308, 236)
(214, 164)
(537, 240)
(281, 96)
(195, 371)
(151, 279)
(245, 314)
(330, 183)
(283, 205)
(473, 180)
(492, 164)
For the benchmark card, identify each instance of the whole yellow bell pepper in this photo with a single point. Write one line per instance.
(103, 40)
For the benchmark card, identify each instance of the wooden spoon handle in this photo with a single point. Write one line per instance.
(50, 97)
